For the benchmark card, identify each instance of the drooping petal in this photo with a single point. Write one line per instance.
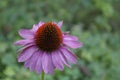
(33, 61)
(60, 24)
(47, 64)
(27, 63)
(57, 60)
(26, 54)
(69, 55)
(38, 67)
(27, 34)
(51, 65)
(63, 58)
(72, 43)
(23, 42)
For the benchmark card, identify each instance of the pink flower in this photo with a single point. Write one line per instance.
(45, 47)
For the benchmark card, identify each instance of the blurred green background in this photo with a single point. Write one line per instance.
(95, 22)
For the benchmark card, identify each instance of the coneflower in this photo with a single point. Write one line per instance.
(46, 47)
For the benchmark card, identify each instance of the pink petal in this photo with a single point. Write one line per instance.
(64, 60)
(38, 67)
(24, 33)
(47, 64)
(27, 63)
(26, 54)
(69, 55)
(25, 47)
(72, 43)
(23, 42)
(35, 27)
(51, 65)
(33, 61)
(69, 37)
(60, 24)
(57, 60)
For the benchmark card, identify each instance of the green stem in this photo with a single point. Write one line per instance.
(42, 76)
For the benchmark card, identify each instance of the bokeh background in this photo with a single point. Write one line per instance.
(95, 22)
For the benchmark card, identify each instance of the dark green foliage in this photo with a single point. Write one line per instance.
(95, 22)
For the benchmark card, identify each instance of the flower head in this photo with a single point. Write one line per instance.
(45, 47)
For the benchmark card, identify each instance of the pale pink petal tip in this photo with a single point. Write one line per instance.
(36, 26)
(60, 24)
